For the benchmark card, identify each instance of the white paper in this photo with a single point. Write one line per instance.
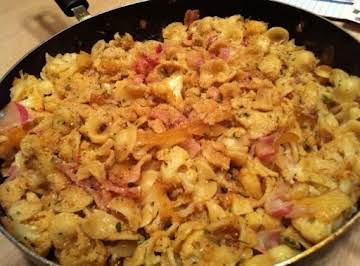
(339, 9)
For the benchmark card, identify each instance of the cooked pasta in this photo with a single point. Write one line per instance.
(223, 144)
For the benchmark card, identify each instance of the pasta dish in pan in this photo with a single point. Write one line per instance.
(223, 144)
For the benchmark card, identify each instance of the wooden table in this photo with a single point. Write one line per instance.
(25, 24)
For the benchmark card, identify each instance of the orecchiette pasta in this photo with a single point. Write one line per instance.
(223, 144)
(277, 34)
(63, 229)
(72, 199)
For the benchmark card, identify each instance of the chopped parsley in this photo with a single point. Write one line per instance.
(118, 227)
(326, 99)
(291, 242)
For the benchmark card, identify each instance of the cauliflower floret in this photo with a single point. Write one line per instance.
(215, 153)
(327, 165)
(259, 123)
(237, 145)
(172, 159)
(30, 91)
(11, 191)
(176, 85)
(170, 89)
(59, 66)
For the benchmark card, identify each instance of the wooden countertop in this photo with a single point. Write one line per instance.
(25, 24)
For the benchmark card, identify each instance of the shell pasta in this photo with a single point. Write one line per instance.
(223, 144)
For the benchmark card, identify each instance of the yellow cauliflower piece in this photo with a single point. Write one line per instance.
(11, 191)
(170, 89)
(237, 144)
(30, 91)
(329, 164)
(172, 159)
(259, 123)
(215, 153)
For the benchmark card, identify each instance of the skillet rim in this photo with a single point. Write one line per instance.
(18, 61)
(34, 257)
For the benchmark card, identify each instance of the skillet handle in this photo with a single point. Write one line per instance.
(77, 8)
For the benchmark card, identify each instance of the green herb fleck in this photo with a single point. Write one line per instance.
(291, 242)
(141, 240)
(304, 126)
(326, 99)
(118, 227)
(215, 241)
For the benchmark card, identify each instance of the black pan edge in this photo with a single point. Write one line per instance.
(318, 34)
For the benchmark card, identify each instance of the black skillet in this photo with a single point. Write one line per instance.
(330, 43)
